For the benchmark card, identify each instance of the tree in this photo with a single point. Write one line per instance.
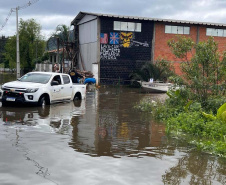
(10, 52)
(63, 38)
(32, 45)
(66, 39)
(205, 72)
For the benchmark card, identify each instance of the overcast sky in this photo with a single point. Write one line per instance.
(50, 13)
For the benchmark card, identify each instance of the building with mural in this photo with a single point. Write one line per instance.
(113, 46)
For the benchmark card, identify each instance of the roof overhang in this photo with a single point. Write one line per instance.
(82, 14)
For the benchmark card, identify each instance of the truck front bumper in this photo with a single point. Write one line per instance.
(18, 98)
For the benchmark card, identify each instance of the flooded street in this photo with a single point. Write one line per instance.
(101, 140)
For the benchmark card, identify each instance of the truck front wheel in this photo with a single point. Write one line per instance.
(42, 101)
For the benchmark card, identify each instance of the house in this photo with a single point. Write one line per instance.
(60, 52)
(113, 46)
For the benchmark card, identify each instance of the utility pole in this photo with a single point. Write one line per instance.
(17, 47)
(58, 57)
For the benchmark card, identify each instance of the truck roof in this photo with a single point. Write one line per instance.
(51, 73)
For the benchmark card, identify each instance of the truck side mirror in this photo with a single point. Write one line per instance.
(53, 83)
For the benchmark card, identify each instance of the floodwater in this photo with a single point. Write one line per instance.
(101, 140)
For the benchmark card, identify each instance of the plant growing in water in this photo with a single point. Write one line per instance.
(160, 70)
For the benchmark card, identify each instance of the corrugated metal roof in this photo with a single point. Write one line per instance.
(82, 14)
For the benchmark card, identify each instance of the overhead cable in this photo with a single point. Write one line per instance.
(14, 9)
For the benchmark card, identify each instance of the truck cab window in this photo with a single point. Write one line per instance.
(66, 79)
(57, 78)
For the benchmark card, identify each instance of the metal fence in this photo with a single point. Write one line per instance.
(44, 67)
(6, 70)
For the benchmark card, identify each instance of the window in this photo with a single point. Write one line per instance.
(66, 79)
(138, 27)
(117, 25)
(167, 29)
(57, 78)
(180, 30)
(177, 29)
(220, 32)
(209, 31)
(215, 32)
(174, 29)
(131, 26)
(187, 30)
(123, 26)
(127, 26)
(35, 78)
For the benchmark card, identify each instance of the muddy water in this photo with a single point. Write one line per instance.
(101, 140)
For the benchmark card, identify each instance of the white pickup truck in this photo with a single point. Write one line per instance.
(42, 88)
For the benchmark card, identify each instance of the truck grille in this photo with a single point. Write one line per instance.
(14, 89)
(12, 94)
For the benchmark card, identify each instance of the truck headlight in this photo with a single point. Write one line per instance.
(31, 90)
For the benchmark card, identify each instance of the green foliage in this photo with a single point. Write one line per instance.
(160, 70)
(32, 45)
(208, 116)
(221, 113)
(223, 116)
(195, 106)
(177, 97)
(176, 80)
(205, 72)
(146, 105)
(42, 58)
(62, 32)
(188, 105)
(186, 118)
(181, 46)
(10, 51)
(212, 131)
(213, 104)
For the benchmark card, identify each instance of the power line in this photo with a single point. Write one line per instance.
(14, 9)
(28, 4)
(7, 18)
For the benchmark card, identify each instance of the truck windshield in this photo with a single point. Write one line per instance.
(35, 78)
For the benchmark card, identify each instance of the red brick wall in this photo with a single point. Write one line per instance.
(163, 51)
(220, 40)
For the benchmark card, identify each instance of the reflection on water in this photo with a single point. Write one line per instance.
(101, 138)
(197, 168)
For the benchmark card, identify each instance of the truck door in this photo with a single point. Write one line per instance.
(67, 87)
(56, 85)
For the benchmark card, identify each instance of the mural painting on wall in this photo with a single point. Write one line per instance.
(103, 38)
(114, 38)
(126, 39)
(109, 52)
(112, 50)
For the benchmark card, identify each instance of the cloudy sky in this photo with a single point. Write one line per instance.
(50, 13)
